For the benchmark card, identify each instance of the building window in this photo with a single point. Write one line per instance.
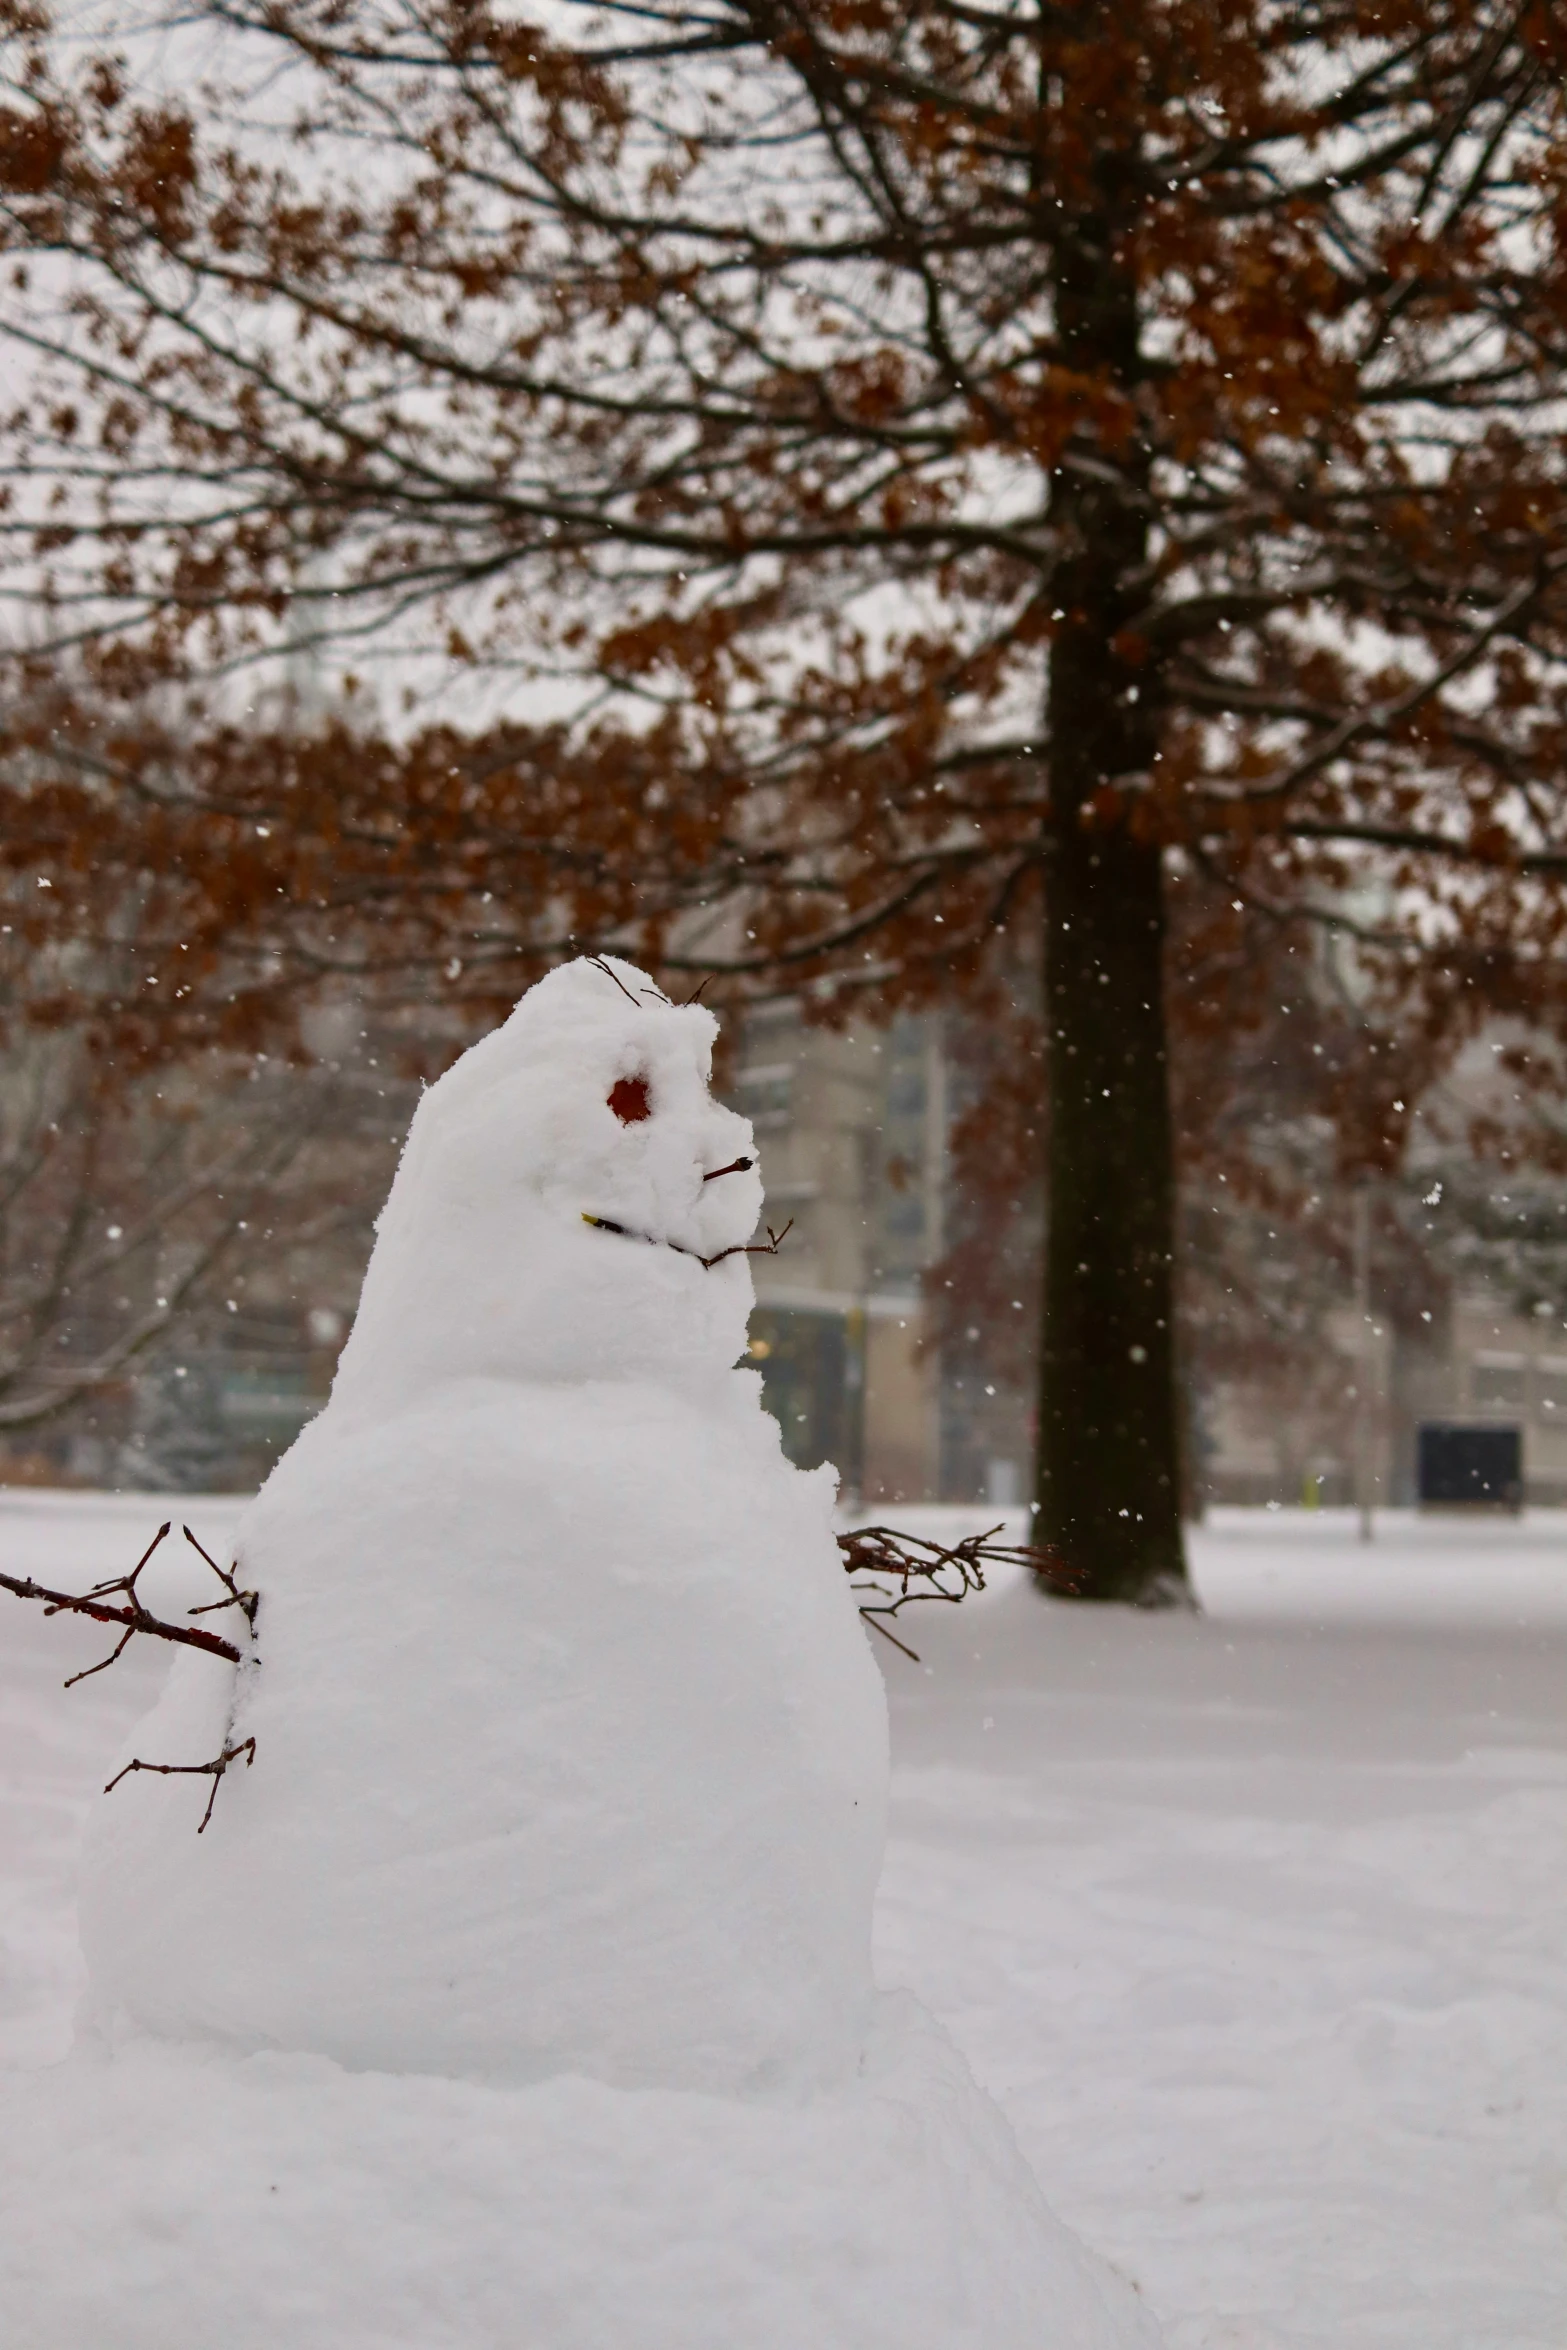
(765, 1094)
(811, 1385)
(906, 1090)
(903, 1216)
(1499, 1382)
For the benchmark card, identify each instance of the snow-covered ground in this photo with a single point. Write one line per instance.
(1256, 1922)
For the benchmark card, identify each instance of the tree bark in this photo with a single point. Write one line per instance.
(1109, 1450)
(1108, 1465)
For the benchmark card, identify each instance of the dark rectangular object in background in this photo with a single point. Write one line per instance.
(1470, 1464)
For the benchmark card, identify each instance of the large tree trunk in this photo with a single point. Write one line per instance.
(1108, 1469)
(1109, 1449)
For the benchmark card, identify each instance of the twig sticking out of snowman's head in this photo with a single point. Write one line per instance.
(599, 964)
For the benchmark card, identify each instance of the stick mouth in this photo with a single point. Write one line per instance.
(753, 1248)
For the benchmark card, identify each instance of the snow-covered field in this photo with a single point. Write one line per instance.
(1256, 1923)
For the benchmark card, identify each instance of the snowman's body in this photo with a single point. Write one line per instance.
(569, 1754)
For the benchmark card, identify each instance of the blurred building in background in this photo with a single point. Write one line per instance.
(184, 1290)
(853, 1132)
(1468, 1324)
(1488, 1363)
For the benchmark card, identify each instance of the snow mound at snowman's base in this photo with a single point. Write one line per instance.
(166, 2198)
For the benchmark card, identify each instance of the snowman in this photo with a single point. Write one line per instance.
(519, 1996)
(569, 1754)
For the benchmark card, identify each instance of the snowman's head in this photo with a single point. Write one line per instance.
(566, 1206)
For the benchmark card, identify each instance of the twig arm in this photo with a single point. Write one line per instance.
(213, 1770)
(922, 1569)
(133, 1617)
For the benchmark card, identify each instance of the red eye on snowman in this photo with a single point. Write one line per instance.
(630, 1100)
